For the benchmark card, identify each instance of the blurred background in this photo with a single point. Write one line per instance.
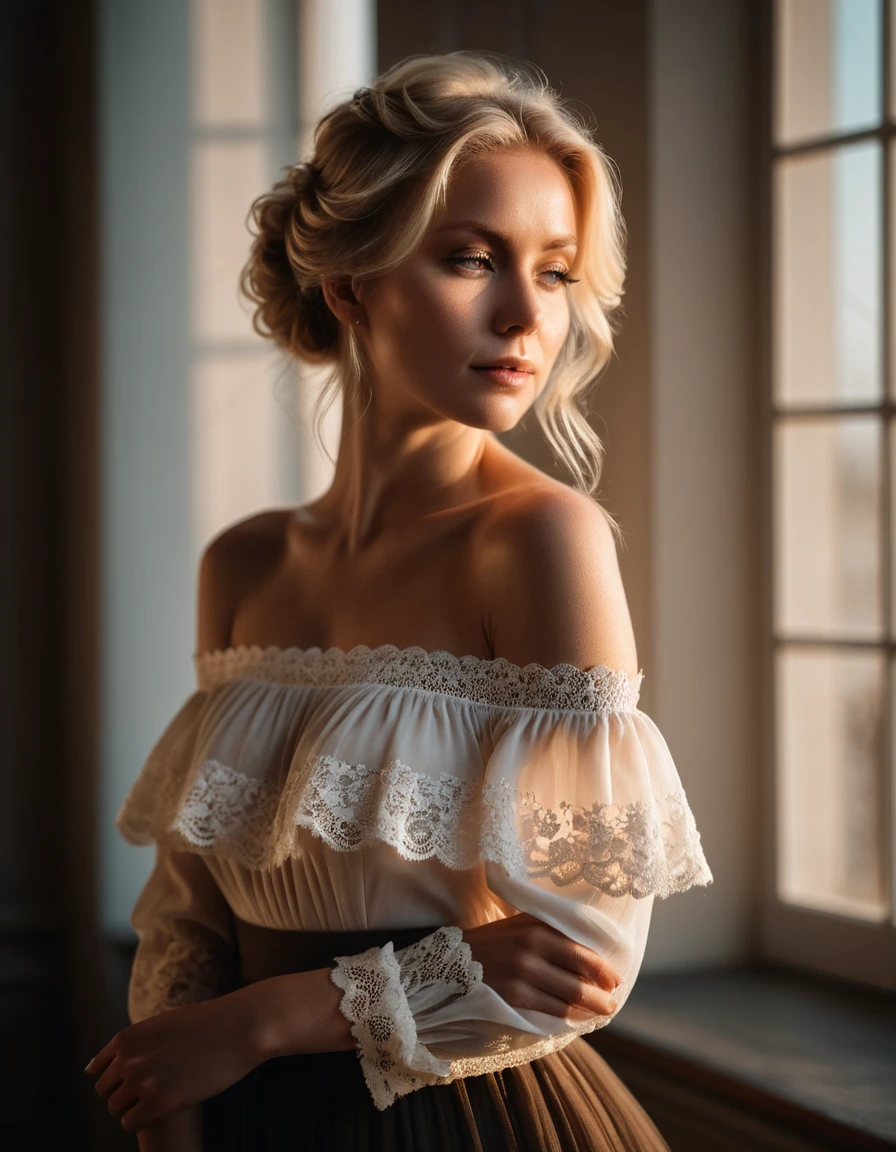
(751, 461)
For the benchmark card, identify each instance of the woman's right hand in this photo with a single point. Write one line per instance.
(532, 965)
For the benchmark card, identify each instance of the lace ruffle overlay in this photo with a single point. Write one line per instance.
(383, 993)
(622, 827)
(643, 848)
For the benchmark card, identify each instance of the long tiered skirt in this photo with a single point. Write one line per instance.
(567, 1101)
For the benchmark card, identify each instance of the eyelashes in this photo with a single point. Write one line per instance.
(480, 259)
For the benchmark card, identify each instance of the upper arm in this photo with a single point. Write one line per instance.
(555, 589)
(216, 594)
(234, 563)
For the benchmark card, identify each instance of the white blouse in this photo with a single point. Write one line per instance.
(391, 788)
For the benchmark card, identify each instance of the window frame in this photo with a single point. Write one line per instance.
(826, 941)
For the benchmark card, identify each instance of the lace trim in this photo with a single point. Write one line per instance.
(380, 987)
(232, 813)
(188, 970)
(351, 805)
(476, 1065)
(638, 849)
(494, 682)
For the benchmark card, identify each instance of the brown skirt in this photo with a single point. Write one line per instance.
(567, 1101)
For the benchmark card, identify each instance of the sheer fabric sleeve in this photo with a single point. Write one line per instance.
(186, 942)
(186, 948)
(583, 822)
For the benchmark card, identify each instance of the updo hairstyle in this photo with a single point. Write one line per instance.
(379, 171)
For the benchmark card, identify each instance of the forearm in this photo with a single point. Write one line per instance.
(295, 1014)
(179, 1131)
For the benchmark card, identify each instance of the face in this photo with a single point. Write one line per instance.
(469, 327)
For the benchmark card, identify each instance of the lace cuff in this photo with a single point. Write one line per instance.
(385, 991)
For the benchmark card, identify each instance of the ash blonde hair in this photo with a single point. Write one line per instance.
(364, 200)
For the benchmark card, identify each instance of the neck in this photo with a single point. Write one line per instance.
(395, 469)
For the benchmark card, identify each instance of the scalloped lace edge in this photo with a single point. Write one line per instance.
(642, 848)
(476, 679)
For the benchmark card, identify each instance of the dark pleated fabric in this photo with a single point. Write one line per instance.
(567, 1101)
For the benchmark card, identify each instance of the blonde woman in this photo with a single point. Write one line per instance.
(411, 823)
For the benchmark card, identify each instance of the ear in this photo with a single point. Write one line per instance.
(343, 302)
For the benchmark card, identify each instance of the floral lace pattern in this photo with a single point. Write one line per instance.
(350, 805)
(495, 682)
(229, 812)
(381, 989)
(191, 968)
(636, 849)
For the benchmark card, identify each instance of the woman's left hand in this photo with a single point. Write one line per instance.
(177, 1058)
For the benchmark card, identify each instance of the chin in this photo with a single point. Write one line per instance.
(498, 415)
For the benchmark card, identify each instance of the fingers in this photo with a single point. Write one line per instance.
(101, 1061)
(591, 966)
(123, 1098)
(576, 958)
(558, 993)
(137, 1117)
(575, 993)
(109, 1081)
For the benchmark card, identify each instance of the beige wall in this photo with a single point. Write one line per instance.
(669, 84)
(707, 397)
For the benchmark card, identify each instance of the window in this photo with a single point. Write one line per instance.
(832, 462)
(203, 102)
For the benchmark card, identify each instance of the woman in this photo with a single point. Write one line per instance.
(411, 823)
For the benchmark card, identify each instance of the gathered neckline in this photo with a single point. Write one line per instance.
(479, 679)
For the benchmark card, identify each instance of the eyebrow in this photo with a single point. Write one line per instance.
(475, 226)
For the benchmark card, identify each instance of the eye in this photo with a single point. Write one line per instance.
(482, 261)
(561, 274)
(477, 261)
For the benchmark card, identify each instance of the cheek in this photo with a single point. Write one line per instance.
(556, 324)
(426, 309)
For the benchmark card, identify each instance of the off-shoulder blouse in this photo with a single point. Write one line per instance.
(393, 788)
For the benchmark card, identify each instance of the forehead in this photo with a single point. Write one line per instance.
(510, 188)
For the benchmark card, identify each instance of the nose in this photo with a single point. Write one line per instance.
(519, 306)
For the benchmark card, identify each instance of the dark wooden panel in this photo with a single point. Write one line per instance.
(405, 27)
(47, 818)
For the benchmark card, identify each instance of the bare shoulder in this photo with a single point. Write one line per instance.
(231, 564)
(552, 582)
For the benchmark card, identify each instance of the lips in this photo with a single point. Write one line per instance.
(510, 365)
(504, 375)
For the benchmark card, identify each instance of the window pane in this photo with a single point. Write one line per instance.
(892, 60)
(892, 542)
(242, 434)
(891, 208)
(228, 62)
(226, 179)
(828, 59)
(827, 315)
(829, 736)
(827, 489)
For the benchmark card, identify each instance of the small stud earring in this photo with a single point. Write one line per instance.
(357, 321)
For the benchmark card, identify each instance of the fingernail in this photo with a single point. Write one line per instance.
(89, 1062)
(619, 985)
(613, 1005)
